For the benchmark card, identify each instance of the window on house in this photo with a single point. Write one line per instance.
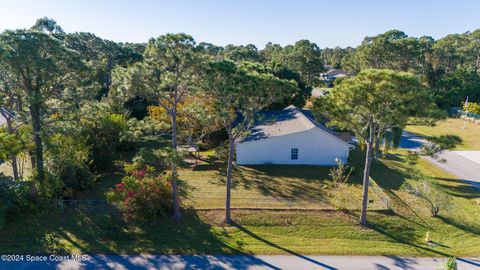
(294, 154)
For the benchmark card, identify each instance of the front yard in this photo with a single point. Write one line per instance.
(284, 226)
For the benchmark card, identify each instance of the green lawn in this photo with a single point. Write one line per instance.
(470, 135)
(266, 187)
(270, 231)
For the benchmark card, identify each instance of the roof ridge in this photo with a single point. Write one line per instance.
(304, 119)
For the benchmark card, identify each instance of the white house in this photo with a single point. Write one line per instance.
(291, 136)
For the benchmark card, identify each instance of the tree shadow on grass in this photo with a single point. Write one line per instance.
(279, 181)
(403, 235)
(85, 232)
(459, 188)
(396, 231)
(469, 228)
(291, 252)
(388, 178)
(107, 233)
(206, 167)
(389, 174)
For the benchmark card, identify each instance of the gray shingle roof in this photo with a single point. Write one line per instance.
(335, 72)
(287, 121)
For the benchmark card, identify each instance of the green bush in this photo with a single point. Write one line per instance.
(472, 107)
(67, 163)
(108, 135)
(450, 264)
(15, 201)
(143, 195)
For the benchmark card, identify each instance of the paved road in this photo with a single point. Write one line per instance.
(470, 155)
(464, 165)
(459, 166)
(249, 262)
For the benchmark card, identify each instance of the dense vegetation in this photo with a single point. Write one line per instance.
(76, 104)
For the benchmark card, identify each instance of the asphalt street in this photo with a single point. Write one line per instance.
(246, 262)
(464, 165)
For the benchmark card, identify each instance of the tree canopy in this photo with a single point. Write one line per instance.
(369, 104)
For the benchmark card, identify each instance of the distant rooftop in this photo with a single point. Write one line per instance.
(336, 72)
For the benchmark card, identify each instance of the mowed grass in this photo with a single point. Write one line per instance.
(262, 187)
(291, 230)
(469, 135)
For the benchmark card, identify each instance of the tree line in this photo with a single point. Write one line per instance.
(449, 66)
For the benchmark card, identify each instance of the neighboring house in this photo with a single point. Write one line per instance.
(331, 75)
(291, 136)
(334, 73)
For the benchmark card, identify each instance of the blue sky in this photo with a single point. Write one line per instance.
(327, 23)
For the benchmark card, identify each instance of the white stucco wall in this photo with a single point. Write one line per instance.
(315, 147)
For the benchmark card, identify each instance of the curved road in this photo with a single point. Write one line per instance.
(464, 165)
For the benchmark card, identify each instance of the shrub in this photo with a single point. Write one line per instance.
(451, 263)
(15, 201)
(437, 199)
(472, 107)
(107, 134)
(340, 173)
(341, 195)
(67, 161)
(143, 195)
(221, 152)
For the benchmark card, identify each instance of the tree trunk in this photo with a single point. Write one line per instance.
(366, 177)
(14, 167)
(38, 152)
(176, 203)
(377, 149)
(231, 148)
(108, 74)
(477, 63)
(13, 158)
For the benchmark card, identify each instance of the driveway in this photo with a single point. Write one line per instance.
(245, 262)
(464, 165)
